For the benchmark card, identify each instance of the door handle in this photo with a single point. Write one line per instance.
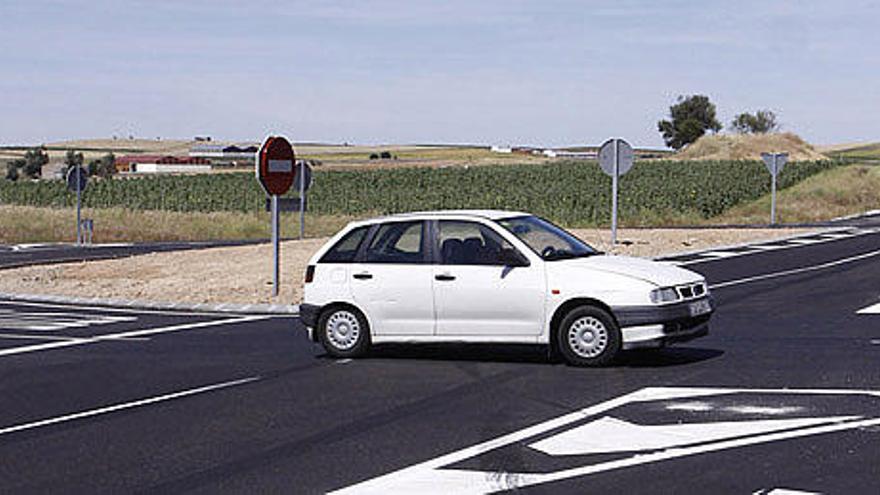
(362, 276)
(444, 277)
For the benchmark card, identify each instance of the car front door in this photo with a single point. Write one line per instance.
(482, 286)
(392, 281)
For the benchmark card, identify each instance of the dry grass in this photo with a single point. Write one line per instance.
(749, 147)
(23, 224)
(840, 191)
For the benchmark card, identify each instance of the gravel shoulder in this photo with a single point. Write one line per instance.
(243, 274)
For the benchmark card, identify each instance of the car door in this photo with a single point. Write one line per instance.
(392, 280)
(477, 289)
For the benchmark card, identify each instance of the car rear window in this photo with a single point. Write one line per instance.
(345, 250)
(397, 242)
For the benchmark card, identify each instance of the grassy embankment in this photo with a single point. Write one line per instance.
(27, 224)
(834, 193)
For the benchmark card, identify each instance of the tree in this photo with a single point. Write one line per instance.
(761, 122)
(71, 159)
(12, 168)
(107, 168)
(34, 160)
(689, 119)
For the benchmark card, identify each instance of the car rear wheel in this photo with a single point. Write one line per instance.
(343, 332)
(588, 336)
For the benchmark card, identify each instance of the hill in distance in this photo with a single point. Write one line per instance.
(749, 147)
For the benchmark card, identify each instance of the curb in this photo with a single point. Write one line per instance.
(222, 308)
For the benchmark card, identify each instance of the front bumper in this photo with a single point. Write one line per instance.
(658, 326)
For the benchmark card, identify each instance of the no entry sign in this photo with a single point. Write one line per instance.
(275, 169)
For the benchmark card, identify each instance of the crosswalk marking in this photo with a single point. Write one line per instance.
(49, 322)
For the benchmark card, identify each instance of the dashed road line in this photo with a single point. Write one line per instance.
(126, 405)
(126, 335)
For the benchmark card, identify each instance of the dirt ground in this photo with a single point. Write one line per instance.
(244, 274)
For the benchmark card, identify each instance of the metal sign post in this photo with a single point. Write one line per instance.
(275, 172)
(774, 162)
(616, 159)
(302, 182)
(76, 181)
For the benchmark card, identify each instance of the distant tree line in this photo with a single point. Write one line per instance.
(30, 166)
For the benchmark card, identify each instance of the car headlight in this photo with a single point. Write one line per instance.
(664, 295)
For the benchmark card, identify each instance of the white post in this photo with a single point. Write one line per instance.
(276, 248)
(614, 192)
(78, 206)
(302, 200)
(773, 191)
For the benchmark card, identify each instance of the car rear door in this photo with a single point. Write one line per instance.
(476, 290)
(392, 280)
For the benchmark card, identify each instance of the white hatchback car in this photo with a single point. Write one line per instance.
(493, 276)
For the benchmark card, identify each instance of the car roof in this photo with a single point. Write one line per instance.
(439, 214)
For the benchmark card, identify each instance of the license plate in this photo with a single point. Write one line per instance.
(700, 307)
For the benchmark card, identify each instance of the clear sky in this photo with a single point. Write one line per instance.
(466, 71)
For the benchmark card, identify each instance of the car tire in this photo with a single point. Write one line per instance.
(588, 336)
(343, 331)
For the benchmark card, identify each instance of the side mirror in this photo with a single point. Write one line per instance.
(512, 258)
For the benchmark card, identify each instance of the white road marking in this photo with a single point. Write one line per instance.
(432, 476)
(765, 410)
(720, 254)
(870, 310)
(690, 406)
(795, 271)
(343, 361)
(875, 341)
(784, 491)
(610, 435)
(33, 336)
(805, 242)
(126, 335)
(123, 406)
(47, 322)
(767, 247)
(109, 309)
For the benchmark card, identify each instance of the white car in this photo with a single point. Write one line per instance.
(497, 277)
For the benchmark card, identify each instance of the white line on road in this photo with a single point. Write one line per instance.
(110, 309)
(126, 405)
(125, 335)
(795, 271)
(873, 309)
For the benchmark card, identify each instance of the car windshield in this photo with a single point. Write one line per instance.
(549, 241)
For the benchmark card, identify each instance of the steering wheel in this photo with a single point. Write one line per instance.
(547, 251)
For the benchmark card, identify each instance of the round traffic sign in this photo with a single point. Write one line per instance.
(77, 181)
(625, 156)
(275, 169)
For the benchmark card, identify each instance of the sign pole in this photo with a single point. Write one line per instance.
(614, 192)
(773, 188)
(275, 245)
(302, 202)
(78, 205)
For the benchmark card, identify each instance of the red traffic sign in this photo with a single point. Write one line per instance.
(275, 169)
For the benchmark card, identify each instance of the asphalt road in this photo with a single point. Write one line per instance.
(783, 394)
(38, 254)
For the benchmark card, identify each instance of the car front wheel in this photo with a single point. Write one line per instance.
(588, 336)
(343, 332)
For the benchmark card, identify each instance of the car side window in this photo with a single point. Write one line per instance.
(397, 242)
(345, 250)
(470, 243)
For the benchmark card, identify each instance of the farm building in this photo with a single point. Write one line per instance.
(223, 152)
(161, 164)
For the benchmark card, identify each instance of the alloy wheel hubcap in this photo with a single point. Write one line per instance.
(587, 337)
(343, 330)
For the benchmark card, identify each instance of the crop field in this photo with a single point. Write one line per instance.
(572, 193)
(870, 152)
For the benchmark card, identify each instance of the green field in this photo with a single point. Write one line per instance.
(869, 152)
(572, 193)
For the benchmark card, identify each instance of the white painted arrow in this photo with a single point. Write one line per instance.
(870, 310)
(611, 435)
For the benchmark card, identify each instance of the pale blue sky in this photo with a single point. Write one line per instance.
(520, 72)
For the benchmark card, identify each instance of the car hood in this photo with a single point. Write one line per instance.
(654, 272)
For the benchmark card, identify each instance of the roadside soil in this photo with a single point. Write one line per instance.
(244, 274)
